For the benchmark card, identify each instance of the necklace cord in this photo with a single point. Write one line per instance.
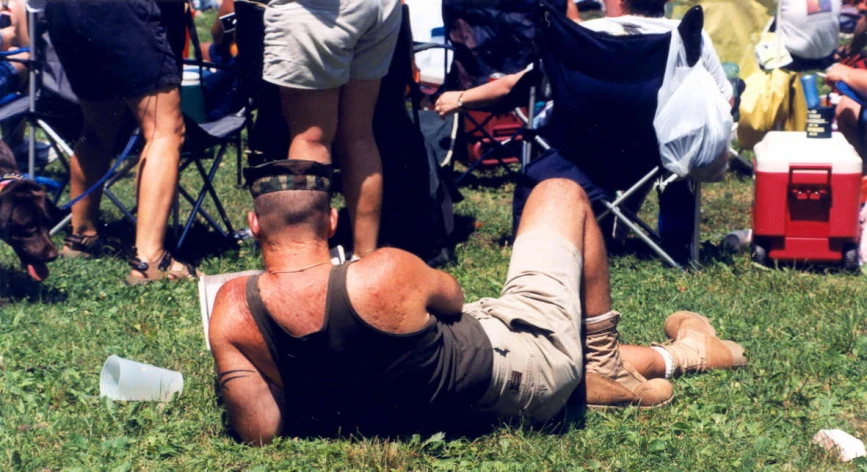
(294, 271)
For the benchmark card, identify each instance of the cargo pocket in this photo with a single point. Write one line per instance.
(518, 314)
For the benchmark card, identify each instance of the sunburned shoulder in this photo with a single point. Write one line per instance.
(392, 258)
(387, 267)
(229, 311)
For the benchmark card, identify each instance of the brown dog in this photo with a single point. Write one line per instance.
(25, 217)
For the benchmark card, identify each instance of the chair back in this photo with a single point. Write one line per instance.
(250, 38)
(605, 93)
(416, 209)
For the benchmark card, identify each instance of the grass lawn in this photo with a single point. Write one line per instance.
(804, 331)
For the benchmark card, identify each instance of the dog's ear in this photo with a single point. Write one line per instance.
(25, 189)
(6, 153)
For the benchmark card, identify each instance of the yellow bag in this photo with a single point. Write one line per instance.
(734, 26)
(772, 101)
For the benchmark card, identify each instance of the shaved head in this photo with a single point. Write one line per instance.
(298, 211)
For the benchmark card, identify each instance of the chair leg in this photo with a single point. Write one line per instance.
(129, 214)
(208, 185)
(641, 234)
(696, 231)
(202, 212)
(207, 189)
(239, 161)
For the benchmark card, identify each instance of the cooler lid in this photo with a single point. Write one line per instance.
(780, 148)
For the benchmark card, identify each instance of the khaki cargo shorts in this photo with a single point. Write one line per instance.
(535, 330)
(322, 44)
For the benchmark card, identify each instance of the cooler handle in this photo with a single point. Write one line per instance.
(810, 174)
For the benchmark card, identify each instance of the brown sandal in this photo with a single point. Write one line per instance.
(159, 270)
(77, 246)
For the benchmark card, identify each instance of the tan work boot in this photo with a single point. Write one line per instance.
(687, 320)
(695, 347)
(609, 380)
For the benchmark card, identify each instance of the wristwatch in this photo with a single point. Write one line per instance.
(461, 100)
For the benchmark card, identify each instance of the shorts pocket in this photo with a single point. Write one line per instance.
(518, 313)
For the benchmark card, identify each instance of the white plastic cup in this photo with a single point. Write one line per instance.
(737, 240)
(126, 380)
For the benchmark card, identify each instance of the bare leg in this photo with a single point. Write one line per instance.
(847, 123)
(360, 162)
(93, 153)
(562, 206)
(648, 362)
(162, 125)
(312, 119)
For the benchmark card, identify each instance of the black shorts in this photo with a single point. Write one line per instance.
(118, 49)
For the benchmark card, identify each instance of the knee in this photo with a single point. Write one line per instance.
(847, 113)
(562, 191)
(168, 128)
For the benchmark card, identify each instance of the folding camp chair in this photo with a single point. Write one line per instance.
(267, 137)
(601, 130)
(49, 104)
(489, 39)
(216, 134)
(199, 142)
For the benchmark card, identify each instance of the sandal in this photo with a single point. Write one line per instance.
(81, 246)
(159, 270)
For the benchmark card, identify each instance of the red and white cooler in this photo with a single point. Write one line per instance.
(807, 199)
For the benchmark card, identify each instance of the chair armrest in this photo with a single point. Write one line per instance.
(207, 65)
(13, 52)
(419, 47)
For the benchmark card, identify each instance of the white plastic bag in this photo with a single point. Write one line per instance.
(693, 121)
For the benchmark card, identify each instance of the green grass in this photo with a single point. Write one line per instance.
(804, 331)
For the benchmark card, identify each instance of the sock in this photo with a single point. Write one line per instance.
(669, 361)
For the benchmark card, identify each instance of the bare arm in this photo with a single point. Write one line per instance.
(228, 6)
(859, 38)
(19, 23)
(446, 296)
(855, 78)
(613, 8)
(395, 291)
(572, 11)
(252, 402)
(477, 97)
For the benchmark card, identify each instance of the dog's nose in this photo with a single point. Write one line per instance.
(51, 254)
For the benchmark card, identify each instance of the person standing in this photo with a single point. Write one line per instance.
(328, 57)
(124, 56)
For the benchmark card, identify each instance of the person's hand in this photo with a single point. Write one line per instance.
(837, 73)
(841, 53)
(448, 104)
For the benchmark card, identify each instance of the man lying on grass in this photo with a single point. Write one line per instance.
(386, 344)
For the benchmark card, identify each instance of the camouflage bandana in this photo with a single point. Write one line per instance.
(278, 176)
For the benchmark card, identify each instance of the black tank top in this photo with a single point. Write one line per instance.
(351, 376)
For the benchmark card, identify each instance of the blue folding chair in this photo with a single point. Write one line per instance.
(601, 131)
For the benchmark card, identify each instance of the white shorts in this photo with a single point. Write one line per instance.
(322, 44)
(535, 330)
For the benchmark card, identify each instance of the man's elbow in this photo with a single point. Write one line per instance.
(255, 436)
